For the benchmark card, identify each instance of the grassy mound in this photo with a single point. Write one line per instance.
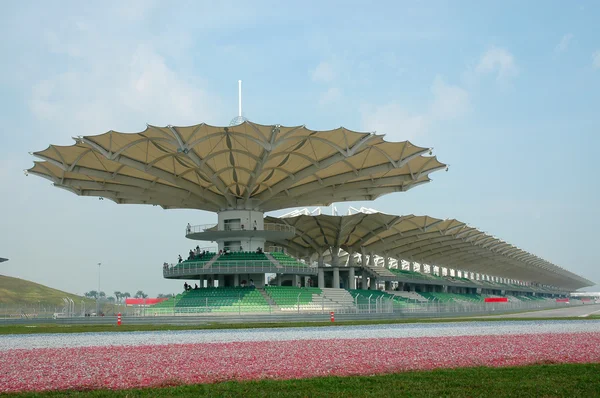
(15, 291)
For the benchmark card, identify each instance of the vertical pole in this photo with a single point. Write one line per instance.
(239, 98)
(98, 296)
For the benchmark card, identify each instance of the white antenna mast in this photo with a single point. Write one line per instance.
(239, 119)
(239, 98)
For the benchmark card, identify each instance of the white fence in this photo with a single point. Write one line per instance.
(238, 227)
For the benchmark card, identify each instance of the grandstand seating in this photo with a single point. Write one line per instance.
(223, 299)
(286, 260)
(199, 260)
(241, 257)
(414, 274)
(364, 297)
(289, 297)
(453, 297)
(410, 296)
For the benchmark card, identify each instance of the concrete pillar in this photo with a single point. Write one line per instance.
(236, 280)
(221, 280)
(321, 278)
(279, 278)
(371, 259)
(336, 278)
(386, 261)
(365, 282)
(351, 278)
(296, 280)
(350, 257)
(411, 266)
(335, 256)
(388, 285)
(374, 283)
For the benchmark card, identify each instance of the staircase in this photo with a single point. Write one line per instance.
(276, 263)
(410, 295)
(212, 260)
(267, 298)
(379, 272)
(337, 297)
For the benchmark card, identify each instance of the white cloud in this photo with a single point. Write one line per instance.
(449, 101)
(324, 72)
(564, 43)
(395, 121)
(596, 59)
(497, 61)
(330, 96)
(132, 86)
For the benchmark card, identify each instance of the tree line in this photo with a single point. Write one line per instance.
(119, 297)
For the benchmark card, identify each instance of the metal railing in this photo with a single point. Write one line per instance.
(361, 305)
(223, 266)
(380, 308)
(241, 227)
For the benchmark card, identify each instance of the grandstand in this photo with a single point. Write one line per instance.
(299, 262)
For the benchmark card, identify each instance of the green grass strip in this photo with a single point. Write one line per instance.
(548, 380)
(54, 328)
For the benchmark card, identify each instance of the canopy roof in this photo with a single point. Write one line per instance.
(424, 239)
(248, 166)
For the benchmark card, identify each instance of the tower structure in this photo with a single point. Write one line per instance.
(245, 169)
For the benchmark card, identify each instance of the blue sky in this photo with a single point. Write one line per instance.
(507, 93)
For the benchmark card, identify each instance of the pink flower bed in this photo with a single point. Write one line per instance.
(143, 366)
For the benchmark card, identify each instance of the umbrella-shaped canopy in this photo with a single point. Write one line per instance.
(249, 166)
(448, 243)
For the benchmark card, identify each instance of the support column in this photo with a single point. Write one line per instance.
(336, 278)
(321, 278)
(371, 259)
(236, 280)
(351, 278)
(296, 280)
(411, 266)
(363, 256)
(335, 256)
(386, 261)
(364, 283)
(350, 257)
(279, 278)
(374, 284)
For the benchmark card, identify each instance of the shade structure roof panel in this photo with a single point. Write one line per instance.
(249, 166)
(448, 243)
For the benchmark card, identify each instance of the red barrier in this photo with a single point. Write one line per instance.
(562, 300)
(496, 300)
(119, 319)
(332, 316)
(144, 301)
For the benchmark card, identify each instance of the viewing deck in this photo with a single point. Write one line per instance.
(272, 232)
(236, 263)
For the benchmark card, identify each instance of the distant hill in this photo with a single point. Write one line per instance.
(20, 291)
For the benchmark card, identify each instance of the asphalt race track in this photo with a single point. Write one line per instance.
(568, 311)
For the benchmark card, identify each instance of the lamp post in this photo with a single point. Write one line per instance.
(98, 293)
